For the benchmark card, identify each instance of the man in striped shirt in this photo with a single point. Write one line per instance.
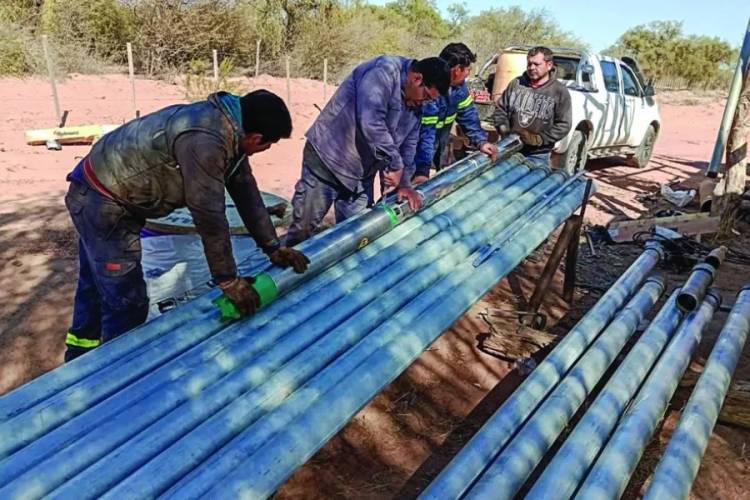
(439, 115)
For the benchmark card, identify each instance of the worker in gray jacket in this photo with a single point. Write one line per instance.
(182, 155)
(536, 107)
(370, 126)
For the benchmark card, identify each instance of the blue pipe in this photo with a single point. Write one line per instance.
(324, 250)
(508, 472)
(346, 238)
(463, 470)
(612, 470)
(392, 290)
(569, 465)
(735, 89)
(679, 465)
(228, 355)
(132, 366)
(122, 425)
(701, 277)
(427, 316)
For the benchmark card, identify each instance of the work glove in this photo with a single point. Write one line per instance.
(286, 257)
(279, 210)
(529, 138)
(241, 293)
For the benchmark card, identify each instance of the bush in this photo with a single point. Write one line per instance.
(170, 34)
(12, 51)
(99, 27)
(199, 84)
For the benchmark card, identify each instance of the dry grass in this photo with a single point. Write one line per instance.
(691, 97)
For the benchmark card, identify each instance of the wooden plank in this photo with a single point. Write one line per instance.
(736, 407)
(83, 134)
(691, 224)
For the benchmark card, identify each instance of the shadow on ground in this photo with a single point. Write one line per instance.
(38, 273)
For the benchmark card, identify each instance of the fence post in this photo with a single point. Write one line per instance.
(288, 84)
(132, 77)
(216, 65)
(325, 80)
(51, 71)
(257, 57)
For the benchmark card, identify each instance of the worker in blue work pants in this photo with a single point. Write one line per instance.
(369, 127)
(113, 300)
(186, 155)
(439, 115)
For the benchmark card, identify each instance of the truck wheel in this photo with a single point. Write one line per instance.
(574, 158)
(643, 153)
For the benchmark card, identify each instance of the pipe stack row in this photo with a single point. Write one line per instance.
(600, 453)
(189, 407)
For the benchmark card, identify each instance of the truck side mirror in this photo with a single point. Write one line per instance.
(648, 91)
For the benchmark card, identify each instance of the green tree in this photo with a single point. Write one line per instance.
(491, 30)
(663, 51)
(421, 18)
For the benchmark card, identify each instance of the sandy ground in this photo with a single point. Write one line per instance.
(406, 434)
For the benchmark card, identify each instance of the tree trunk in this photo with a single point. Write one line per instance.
(736, 155)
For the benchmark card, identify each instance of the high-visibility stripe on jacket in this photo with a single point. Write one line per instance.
(437, 117)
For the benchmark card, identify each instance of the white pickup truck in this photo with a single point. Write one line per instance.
(614, 110)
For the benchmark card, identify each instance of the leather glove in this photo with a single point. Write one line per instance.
(279, 210)
(242, 294)
(285, 257)
(529, 138)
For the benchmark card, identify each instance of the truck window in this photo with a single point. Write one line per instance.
(566, 68)
(611, 81)
(628, 82)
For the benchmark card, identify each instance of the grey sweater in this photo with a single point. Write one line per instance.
(543, 110)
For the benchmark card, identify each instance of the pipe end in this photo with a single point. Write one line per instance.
(657, 280)
(716, 257)
(705, 267)
(656, 247)
(687, 302)
(536, 166)
(714, 296)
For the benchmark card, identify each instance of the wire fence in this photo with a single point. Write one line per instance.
(200, 79)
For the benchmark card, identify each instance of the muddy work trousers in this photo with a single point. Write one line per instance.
(111, 295)
(314, 194)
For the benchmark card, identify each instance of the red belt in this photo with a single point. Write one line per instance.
(88, 173)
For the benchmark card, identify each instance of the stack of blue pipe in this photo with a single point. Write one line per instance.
(190, 407)
(599, 455)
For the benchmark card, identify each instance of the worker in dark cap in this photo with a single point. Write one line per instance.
(184, 155)
(369, 127)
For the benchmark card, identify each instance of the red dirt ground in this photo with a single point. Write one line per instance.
(396, 444)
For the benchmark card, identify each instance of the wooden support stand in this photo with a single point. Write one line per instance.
(567, 246)
(521, 330)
